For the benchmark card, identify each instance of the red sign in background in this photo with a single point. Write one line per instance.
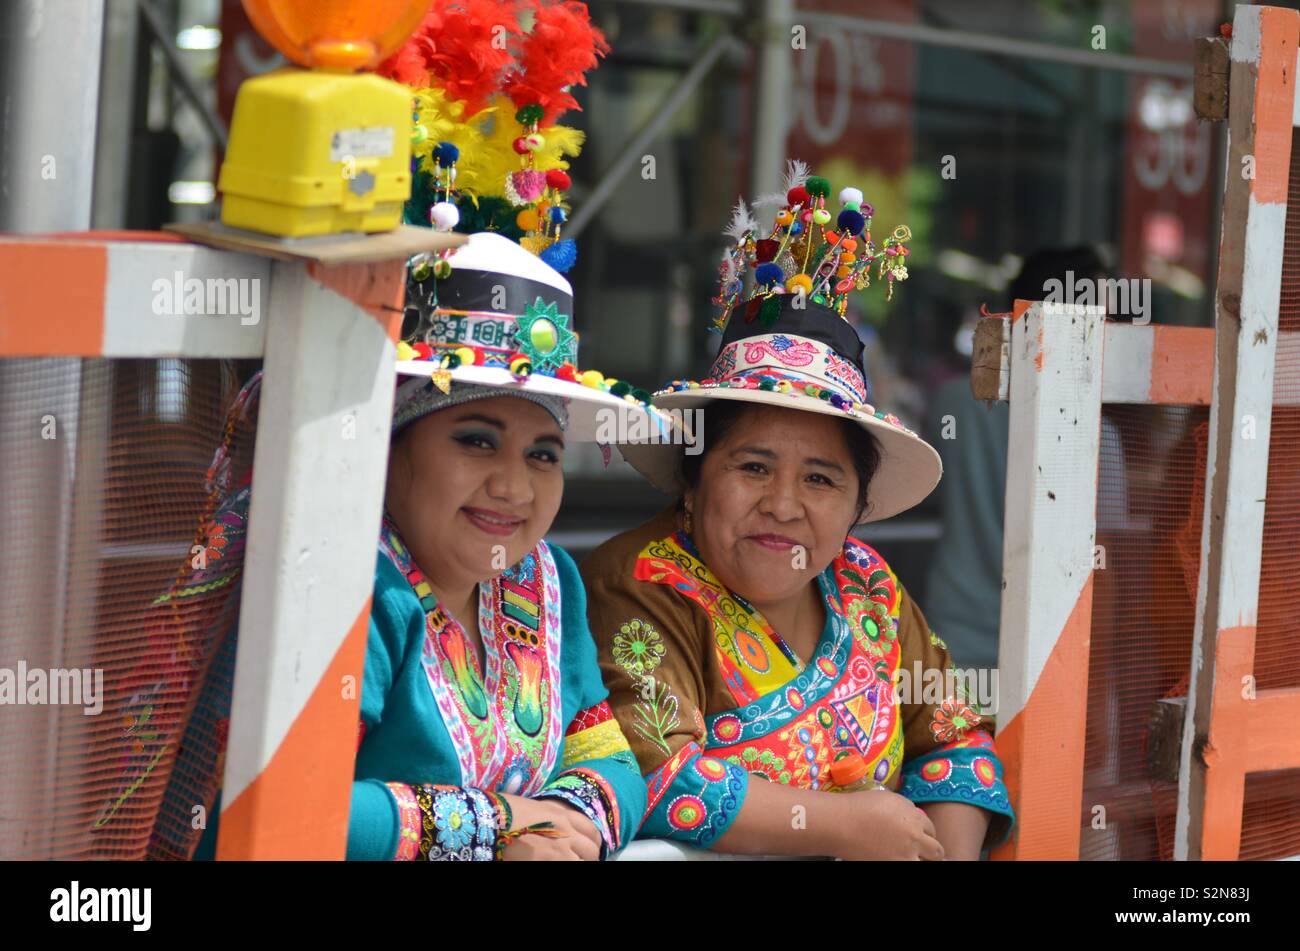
(851, 102)
(1168, 197)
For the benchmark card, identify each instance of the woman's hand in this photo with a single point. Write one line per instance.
(579, 840)
(879, 824)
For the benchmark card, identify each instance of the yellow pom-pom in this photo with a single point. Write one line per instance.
(799, 281)
(466, 355)
(591, 378)
(783, 386)
(535, 245)
(406, 352)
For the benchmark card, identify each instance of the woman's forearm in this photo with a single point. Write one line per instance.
(959, 827)
(782, 820)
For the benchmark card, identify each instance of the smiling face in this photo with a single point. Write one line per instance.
(778, 479)
(473, 488)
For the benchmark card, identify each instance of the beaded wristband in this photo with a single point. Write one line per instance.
(505, 819)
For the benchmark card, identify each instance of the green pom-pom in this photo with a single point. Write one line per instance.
(766, 385)
(640, 395)
(621, 389)
(529, 114)
(817, 187)
(770, 311)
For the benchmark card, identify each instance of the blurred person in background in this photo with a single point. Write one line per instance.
(965, 584)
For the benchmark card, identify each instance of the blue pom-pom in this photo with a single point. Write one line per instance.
(851, 221)
(769, 273)
(562, 255)
(446, 153)
(558, 216)
(796, 227)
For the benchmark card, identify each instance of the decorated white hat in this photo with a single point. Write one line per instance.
(786, 342)
(501, 318)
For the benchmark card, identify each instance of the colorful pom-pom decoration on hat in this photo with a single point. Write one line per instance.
(784, 286)
(809, 249)
(489, 84)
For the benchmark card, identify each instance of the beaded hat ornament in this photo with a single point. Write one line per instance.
(804, 252)
(785, 341)
(490, 160)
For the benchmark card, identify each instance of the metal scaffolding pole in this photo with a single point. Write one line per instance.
(115, 127)
(952, 39)
(997, 45)
(773, 49)
(49, 91)
(181, 76)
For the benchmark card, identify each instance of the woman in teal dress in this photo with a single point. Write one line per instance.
(485, 731)
(484, 727)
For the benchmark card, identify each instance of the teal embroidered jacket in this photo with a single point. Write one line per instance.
(405, 741)
(411, 686)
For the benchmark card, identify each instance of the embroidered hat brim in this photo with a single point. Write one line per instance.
(594, 415)
(807, 359)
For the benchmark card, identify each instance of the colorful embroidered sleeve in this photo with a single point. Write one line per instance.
(948, 740)
(651, 646)
(597, 773)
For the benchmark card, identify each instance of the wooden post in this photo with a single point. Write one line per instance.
(318, 476)
(1055, 392)
(1228, 730)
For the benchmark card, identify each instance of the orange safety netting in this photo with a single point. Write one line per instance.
(1143, 614)
(105, 476)
(1144, 592)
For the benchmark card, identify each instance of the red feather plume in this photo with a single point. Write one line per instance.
(562, 46)
(459, 48)
(410, 64)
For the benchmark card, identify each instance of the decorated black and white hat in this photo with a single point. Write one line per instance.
(500, 319)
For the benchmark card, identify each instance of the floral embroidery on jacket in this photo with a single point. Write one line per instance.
(639, 649)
